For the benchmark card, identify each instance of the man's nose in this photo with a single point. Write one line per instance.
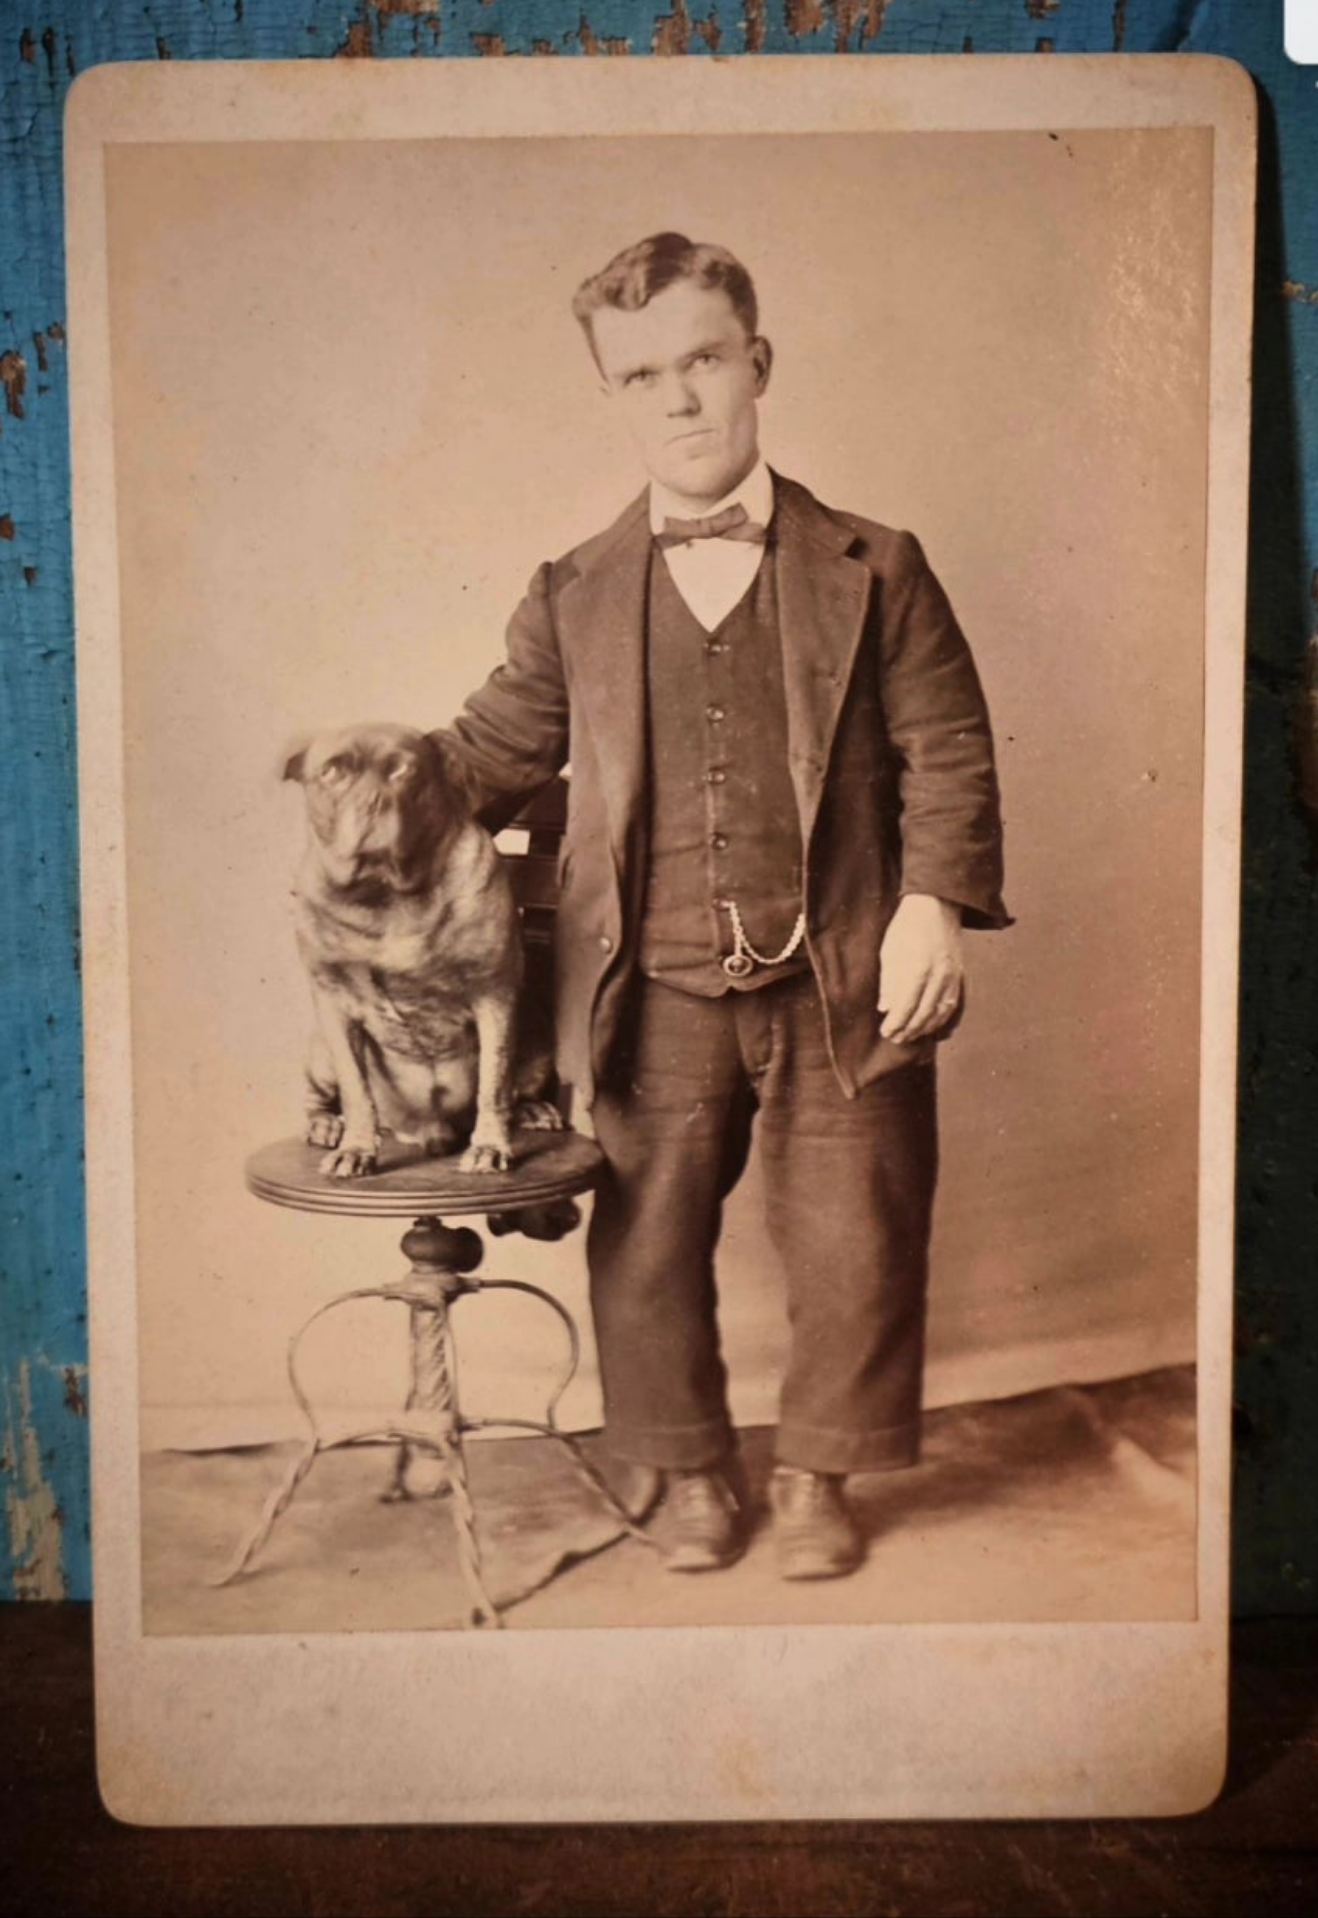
(680, 396)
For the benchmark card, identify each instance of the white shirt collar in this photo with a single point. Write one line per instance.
(755, 493)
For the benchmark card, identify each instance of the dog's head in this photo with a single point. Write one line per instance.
(380, 801)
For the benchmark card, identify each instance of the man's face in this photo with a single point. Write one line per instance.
(687, 376)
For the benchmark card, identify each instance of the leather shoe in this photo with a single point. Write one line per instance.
(698, 1526)
(814, 1534)
(637, 1488)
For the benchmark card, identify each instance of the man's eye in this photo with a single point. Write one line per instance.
(643, 378)
(705, 360)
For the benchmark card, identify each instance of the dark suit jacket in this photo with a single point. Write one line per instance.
(890, 753)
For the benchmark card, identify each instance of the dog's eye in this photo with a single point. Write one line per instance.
(334, 771)
(398, 771)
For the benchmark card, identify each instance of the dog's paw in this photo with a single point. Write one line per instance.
(348, 1162)
(538, 1115)
(324, 1128)
(487, 1156)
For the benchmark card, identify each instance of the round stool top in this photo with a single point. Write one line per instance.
(408, 1184)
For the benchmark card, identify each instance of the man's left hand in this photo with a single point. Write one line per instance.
(922, 973)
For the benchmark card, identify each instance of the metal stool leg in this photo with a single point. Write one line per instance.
(483, 1609)
(441, 1258)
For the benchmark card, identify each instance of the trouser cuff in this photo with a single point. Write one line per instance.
(814, 1448)
(672, 1448)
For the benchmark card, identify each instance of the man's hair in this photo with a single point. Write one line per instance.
(634, 276)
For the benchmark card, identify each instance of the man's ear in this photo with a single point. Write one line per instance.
(762, 359)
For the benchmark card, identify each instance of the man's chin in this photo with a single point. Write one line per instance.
(699, 482)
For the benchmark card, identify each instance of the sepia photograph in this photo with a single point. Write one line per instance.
(661, 729)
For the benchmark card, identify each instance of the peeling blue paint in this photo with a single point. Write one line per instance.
(34, 1518)
(42, 1303)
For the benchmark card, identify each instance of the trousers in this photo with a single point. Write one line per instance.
(849, 1190)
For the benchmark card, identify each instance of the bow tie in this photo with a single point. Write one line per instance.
(732, 523)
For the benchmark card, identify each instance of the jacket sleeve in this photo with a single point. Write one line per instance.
(938, 723)
(512, 734)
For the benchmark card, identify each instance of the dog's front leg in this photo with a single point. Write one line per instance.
(324, 1114)
(491, 1147)
(359, 1145)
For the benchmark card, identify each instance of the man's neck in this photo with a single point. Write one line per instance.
(754, 489)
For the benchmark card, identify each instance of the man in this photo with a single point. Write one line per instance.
(783, 809)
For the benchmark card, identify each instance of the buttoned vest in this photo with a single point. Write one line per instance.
(724, 826)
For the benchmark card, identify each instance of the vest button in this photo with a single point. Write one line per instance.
(606, 944)
(715, 776)
(714, 714)
(719, 841)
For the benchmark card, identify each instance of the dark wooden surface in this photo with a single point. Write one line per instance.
(1256, 1850)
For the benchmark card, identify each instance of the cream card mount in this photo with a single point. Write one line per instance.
(252, 547)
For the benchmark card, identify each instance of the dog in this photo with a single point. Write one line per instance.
(408, 929)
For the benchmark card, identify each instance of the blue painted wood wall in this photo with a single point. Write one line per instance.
(43, 44)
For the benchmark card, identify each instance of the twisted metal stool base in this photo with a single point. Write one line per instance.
(431, 1456)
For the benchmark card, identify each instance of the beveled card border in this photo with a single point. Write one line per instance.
(989, 1721)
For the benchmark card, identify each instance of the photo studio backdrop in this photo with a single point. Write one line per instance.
(353, 413)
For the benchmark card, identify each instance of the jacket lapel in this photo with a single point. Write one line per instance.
(602, 616)
(823, 597)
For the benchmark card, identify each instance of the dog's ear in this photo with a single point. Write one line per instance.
(294, 760)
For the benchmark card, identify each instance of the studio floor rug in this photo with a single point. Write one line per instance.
(1072, 1503)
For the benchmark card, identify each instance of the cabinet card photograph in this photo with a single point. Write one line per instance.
(660, 650)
